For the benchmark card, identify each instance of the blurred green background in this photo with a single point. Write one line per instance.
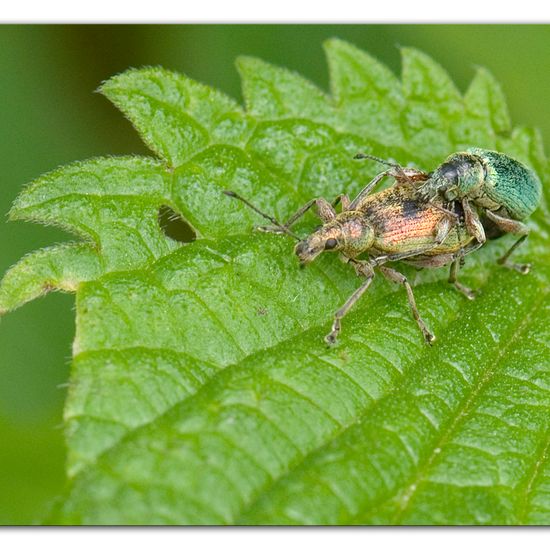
(50, 117)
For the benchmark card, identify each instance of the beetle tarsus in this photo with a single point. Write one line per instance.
(332, 337)
(429, 337)
(524, 269)
(468, 292)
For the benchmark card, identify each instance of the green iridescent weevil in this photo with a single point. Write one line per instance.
(387, 226)
(497, 193)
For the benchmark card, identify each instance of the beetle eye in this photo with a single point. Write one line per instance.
(449, 171)
(330, 244)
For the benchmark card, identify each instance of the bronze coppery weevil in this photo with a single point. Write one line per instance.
(391, 225)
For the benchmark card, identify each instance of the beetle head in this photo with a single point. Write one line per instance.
(348, 233)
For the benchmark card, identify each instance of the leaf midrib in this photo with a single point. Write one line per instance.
(463, 411)
(455, 423)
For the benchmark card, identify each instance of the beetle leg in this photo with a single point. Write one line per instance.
(356, 202)
(406, 176)
(448, 213)
(325, 211)
(363, 268)
(520, 268)
(508, 225)
(402, 175)
(332, 336)
(511, 226)
(344, 199)
(396, 277)
(453, 272)
(442, 230)
(468, 249)
(473, 223)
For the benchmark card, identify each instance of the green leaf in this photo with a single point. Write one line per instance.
(201, 391)
(272, 93)
(175, 116)
(368, 95)
(486, 100)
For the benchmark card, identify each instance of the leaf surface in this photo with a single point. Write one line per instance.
(201, 390)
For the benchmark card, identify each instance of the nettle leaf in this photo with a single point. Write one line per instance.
(368, 95)
(175, 116)
(271, 93)
(201, 391)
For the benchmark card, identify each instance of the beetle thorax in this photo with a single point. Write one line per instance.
(461, 175)
(356, 234)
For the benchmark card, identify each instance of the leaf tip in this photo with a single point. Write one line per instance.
(123, 78)
(335, 43)
(485, 97)
(14, 213)
(246, 62)
(335, 48)
(483, 74)
(414, 59)
(105, 86)
(110, 84)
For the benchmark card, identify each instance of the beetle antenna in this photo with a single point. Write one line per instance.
(275, 222)
(362, 156)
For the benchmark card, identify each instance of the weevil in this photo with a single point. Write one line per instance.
(387, 226)
(496, 191)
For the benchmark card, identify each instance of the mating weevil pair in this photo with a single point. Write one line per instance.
(425, 219)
